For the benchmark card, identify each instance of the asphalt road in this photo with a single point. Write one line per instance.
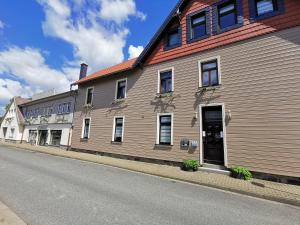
(48, 190)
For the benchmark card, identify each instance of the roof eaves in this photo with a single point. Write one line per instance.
(52, 97)
(105, 75)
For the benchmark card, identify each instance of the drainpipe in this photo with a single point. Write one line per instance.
(74, 105)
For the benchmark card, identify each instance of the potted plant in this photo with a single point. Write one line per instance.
(240, 172)
(190, 165)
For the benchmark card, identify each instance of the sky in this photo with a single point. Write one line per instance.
(43, 42)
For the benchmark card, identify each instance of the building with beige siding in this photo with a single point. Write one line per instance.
(218, 83)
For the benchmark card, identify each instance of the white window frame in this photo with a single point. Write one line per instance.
(86, 95)
(218, 58)
(158, 78)
(158, 126)
(116, 90)
(114, 128)
(83, 126)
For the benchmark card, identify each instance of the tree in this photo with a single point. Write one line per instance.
(8, 105)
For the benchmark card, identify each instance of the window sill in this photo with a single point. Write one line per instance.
(266, 16)
(116, 143)
(209, 88)
(238, 25)
(165, 95)
(198, 39)
(163, 146)
(119, 100)
(167, 48)
(84, 139)
(88, 106)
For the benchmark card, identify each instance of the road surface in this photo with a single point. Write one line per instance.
(48, 190)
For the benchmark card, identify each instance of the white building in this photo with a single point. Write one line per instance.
(48, 120)
(13, 122)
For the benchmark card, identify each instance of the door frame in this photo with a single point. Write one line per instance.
(201, 152)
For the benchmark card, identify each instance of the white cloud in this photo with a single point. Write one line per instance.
(134, 51)
(96, 30)
(141, 15)
(94, 42)
(10, 88)
(119, 10)
(30, 74)
(2, 24)
(29, 65)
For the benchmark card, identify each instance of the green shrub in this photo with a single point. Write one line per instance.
(190, 165)
(241, 172)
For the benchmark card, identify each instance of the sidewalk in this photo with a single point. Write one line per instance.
(7, 217)
(284, 193)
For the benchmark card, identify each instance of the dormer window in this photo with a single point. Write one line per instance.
(173, 39)
(265, 6)
(198, 25)
(227, 15)
(262, 9)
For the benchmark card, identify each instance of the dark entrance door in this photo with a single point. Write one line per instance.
(213, 135)
(43, 137)
(55, 137)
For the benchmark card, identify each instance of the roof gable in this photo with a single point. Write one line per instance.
(159, 33)
(16, 102)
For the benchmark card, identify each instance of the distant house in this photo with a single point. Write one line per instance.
(13, 122)
(48, 119)
(219, 82)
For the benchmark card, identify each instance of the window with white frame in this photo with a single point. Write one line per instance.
(121, 86)
(86, 128)
(210, 72)
(118, 129)
(165, 129)
(165, 81)
(89, 96)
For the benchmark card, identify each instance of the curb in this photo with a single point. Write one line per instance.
(8, 217)
(233, 190)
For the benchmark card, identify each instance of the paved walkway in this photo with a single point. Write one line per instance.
(7, 217)
(284, 193)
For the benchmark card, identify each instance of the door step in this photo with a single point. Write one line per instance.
(211, 168)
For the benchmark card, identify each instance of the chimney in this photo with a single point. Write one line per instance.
(83, 70)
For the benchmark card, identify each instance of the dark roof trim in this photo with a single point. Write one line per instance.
(50, 98)
(157, 35)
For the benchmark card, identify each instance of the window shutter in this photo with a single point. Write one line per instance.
(165, 42)
(214, 19)
(240, 17)
(188, 29)
(252, 10)
(207, 16)
(180, 35)
(280, 4)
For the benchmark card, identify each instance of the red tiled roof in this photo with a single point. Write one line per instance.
(127, 65)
